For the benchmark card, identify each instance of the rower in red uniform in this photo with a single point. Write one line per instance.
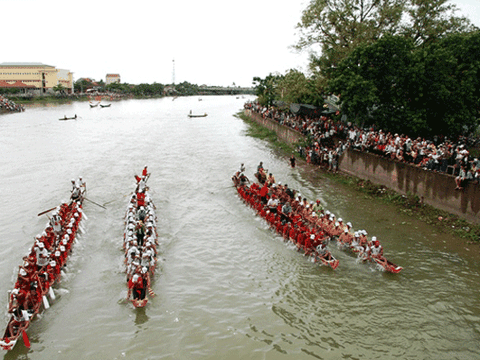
(144, 172)
(140, 199)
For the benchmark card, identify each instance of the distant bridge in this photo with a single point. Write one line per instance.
(218, 90)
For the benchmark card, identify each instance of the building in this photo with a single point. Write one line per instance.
(112, 78)
(36, 78)
(88, 85)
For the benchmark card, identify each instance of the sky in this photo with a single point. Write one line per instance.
(212, 42)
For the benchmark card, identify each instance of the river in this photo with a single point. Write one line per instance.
(227, 287)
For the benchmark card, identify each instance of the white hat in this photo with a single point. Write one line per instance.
(345, 231)
(349, 224)
(144, 270)
(41, 245)
(22, 272)
(374, 238)
(327, 212)
(57, 253)
(62, 248)
(53, 263)
(340, 220)
(312, 236)
(337, 224)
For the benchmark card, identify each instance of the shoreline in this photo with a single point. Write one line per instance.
(408, 204)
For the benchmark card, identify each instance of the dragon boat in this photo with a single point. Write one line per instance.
(251, 196)
(140, 241)
(41, 269)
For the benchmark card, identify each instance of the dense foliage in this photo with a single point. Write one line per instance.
(433, 89)
(406, 66)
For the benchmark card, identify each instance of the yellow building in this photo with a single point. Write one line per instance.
(112, 78)
(37, 78)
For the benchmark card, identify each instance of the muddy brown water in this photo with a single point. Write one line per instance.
(227, 286)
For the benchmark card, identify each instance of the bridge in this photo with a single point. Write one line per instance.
(219, 90)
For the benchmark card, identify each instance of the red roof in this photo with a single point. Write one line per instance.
(17, 84)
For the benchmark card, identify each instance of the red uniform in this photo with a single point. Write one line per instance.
(140, 199)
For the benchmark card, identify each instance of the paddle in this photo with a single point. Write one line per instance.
(25, 339)
(46, 211)
(93, 202)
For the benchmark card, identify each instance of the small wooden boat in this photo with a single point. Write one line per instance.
(69, 118)
(94, 104)
(103, 106)
(197, 115)
(29, 295)
(139, 243)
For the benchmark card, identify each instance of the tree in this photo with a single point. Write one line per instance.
(429, 20)
(447, 80)
(295, 87)
(374, 83)
(340, 26)
(337, 27)
(59, 88)
(266, 89)
(420, 91)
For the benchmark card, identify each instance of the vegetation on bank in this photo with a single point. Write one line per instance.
(404, 66)
(260, 132)
(409, 204)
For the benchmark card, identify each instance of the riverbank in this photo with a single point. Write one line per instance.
(410, 205)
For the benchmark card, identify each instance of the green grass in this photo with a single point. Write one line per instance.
(259, 132)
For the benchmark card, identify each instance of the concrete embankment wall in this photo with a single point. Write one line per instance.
(285, 133)
(436, 189)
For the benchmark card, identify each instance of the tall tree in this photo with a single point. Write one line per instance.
(374, 83)
(266, 89)
(429, 20)
(339, 26)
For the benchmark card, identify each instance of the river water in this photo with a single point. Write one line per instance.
(227, 286)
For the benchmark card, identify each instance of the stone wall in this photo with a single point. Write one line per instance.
(285, 133)
(436, 189)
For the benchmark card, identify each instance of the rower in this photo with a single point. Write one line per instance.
(141, 213)
(141, 198)
(377, 249)
(42, 256)
(322, 250)
(80, 183)
(242, 168)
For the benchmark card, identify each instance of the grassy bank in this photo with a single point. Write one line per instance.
(410, 205)
(258, 131)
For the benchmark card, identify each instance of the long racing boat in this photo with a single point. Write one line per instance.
(41, 267)
(139, 243)
(293, 228)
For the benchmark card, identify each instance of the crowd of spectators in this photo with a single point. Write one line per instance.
(328, 139)
(9, 105)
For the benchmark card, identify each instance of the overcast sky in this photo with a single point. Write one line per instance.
(213, 42)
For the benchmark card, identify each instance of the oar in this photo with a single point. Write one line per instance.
(46, 211)
(93, 202)
(45, 302)
(25, 339)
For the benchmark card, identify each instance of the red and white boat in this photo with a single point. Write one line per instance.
(139, 243)
(40, 269)
(254, 201)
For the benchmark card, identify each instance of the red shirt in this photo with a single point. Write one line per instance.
(141, 199)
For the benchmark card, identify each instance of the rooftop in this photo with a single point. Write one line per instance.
(24, 64)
